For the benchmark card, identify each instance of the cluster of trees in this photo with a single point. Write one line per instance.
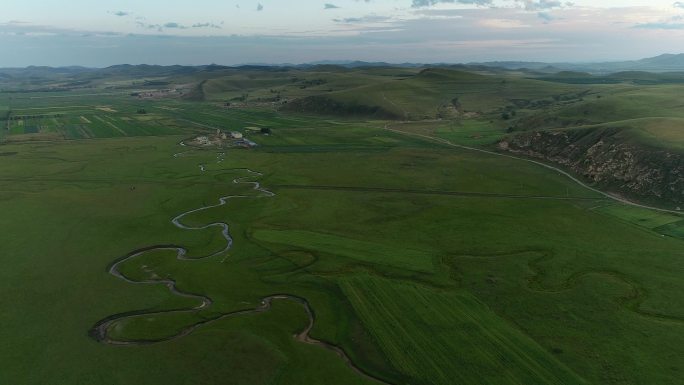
(324, 105)
(28, 90)
(312, 83)
(571, 96)
(509, 113)
(241, 98)
(274, 99)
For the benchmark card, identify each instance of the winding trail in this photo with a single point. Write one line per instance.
(406, 114)
(100, 331)
(556, 169)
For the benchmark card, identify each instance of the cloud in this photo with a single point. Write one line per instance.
(206, 25)
(430, 3)
(435, 14)
(15, 22)
(119, 13)
(503, 23)
(547, 17)
(670, 26)
(363, 19)
(148, 26)
(497, 30)
(678, 4)
(330, 6)
(671, 23)
(260, 7)
(537, 5)
(173, 25)
(528, 5)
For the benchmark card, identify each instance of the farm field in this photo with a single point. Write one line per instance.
(449, 337)
(339, 250)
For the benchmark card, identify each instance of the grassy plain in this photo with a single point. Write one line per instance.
(369, 252)
(449, 337)
(424, 263)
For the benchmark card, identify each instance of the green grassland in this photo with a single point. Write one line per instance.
(372, 253)
(648, 114)
(475, 108)
(449, 337)
(424, 263)
(646, 218)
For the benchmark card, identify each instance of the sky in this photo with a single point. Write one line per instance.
(229, 32)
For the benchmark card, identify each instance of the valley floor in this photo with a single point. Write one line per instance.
(351, 254)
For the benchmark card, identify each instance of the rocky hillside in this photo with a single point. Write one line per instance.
(605, 157)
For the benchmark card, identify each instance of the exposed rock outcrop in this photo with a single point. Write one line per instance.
(608, 158)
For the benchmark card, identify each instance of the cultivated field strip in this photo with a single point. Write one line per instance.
(449, 338)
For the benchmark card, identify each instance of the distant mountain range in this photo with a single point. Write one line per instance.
(662, 63)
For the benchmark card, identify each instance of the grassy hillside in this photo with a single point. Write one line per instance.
(627, 138)
(613, 104)
(434, 93)
(477, 106)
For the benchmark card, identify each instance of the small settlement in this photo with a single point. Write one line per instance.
(223, 139)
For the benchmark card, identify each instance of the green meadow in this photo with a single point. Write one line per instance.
(420, 263)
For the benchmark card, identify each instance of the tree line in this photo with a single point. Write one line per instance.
(27, 117)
